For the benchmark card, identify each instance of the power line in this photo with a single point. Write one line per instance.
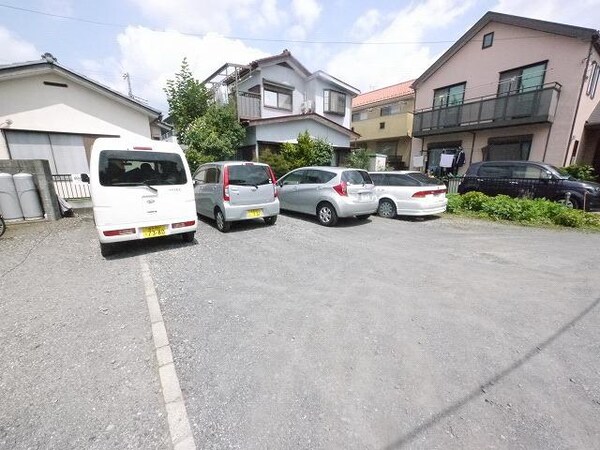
(245, 38)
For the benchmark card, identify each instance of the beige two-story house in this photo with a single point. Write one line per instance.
(384, 118)
(511, 88)
(277, 98)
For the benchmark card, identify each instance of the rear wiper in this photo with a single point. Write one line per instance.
(152, 188)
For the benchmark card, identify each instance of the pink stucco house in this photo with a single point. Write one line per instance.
(511, 88)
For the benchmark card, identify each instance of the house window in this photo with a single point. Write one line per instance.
(449, 95)
(488, 40)
(334, 102)
(388, 110)
(381, 125)
(361, 115)
(593, 79)
(522, 79)
(276, 97)
(513, 148)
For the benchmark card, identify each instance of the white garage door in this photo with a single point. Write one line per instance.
(64, 152)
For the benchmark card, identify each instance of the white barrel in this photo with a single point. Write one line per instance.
(9, 200)
(28, 196)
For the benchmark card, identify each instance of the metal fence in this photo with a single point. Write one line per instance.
(68, 188)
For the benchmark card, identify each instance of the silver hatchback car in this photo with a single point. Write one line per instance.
(235, 190)
(328, 193)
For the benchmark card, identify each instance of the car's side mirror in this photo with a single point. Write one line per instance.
(85, 178)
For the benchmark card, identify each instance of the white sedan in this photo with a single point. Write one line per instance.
(408, 193)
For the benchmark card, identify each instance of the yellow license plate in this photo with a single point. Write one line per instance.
(254, 213)
(150, 232)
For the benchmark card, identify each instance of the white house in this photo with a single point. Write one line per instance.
(278, 98)
(50, 112)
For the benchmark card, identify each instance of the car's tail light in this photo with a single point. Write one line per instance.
(422, 194)
(274, 181)
(341, 188)
(226, 183)
(122, 232)
(189, 223)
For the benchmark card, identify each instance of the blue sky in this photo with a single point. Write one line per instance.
(367, 44)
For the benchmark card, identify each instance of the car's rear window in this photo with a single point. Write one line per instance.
(132, 168)
(424, 179)
(249, 174)
(356, 177)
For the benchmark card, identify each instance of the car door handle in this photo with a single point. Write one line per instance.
(513, 182)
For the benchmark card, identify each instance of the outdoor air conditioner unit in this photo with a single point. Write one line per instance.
(306, 107)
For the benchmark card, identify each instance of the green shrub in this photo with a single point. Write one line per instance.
(531, 211)
(580, 171)
(570, 218)
(454, 203)
(358, 159)
(474, 201)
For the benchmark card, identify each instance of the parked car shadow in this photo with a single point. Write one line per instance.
(418, 218)
(130, 249)
(236, 227)
(343, 222)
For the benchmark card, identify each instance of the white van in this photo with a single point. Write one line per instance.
(140, 189)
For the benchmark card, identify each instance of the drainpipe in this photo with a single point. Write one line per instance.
(594, 39)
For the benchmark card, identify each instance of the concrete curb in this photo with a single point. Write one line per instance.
(179, 424)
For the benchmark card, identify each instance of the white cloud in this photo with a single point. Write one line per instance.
(306, 11)
(366, 24)
(15, 49)
(151, 58)
(371, 65)
(225, 17)
(584, 13)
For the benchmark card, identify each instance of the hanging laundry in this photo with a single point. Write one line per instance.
(446, 160)
(418, 161)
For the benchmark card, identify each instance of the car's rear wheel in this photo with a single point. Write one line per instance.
(188, 237)
(107, 249)
(270, 220)
(222, 225)
(326, 214)
(386, 209)
(572, 202)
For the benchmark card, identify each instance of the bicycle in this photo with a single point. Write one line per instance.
(2, 225)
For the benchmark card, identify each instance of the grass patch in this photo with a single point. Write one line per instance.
(521, 210)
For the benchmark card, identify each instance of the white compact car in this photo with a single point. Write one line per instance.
(408, 193)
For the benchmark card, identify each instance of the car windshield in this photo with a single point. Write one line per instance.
(356, 177)
(137, 168)
(560, 173)
(425, 179)
(249, 175)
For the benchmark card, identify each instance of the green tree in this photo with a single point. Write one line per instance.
(307, 151)
(188, 99)
(214, 136)
(358, 159)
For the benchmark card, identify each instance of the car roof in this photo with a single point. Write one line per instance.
(328, 168)
(401, 172)
(236, 163)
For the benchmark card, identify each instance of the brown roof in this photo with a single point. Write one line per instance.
(394, 91)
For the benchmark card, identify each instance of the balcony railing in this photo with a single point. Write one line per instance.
(535, 106)
(248, 105)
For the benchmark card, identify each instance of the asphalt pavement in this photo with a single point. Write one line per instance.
(438, 333)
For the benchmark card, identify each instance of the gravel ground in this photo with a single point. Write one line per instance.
(78, 367)
(442, 333)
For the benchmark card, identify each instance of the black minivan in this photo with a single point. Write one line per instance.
(530, 179)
